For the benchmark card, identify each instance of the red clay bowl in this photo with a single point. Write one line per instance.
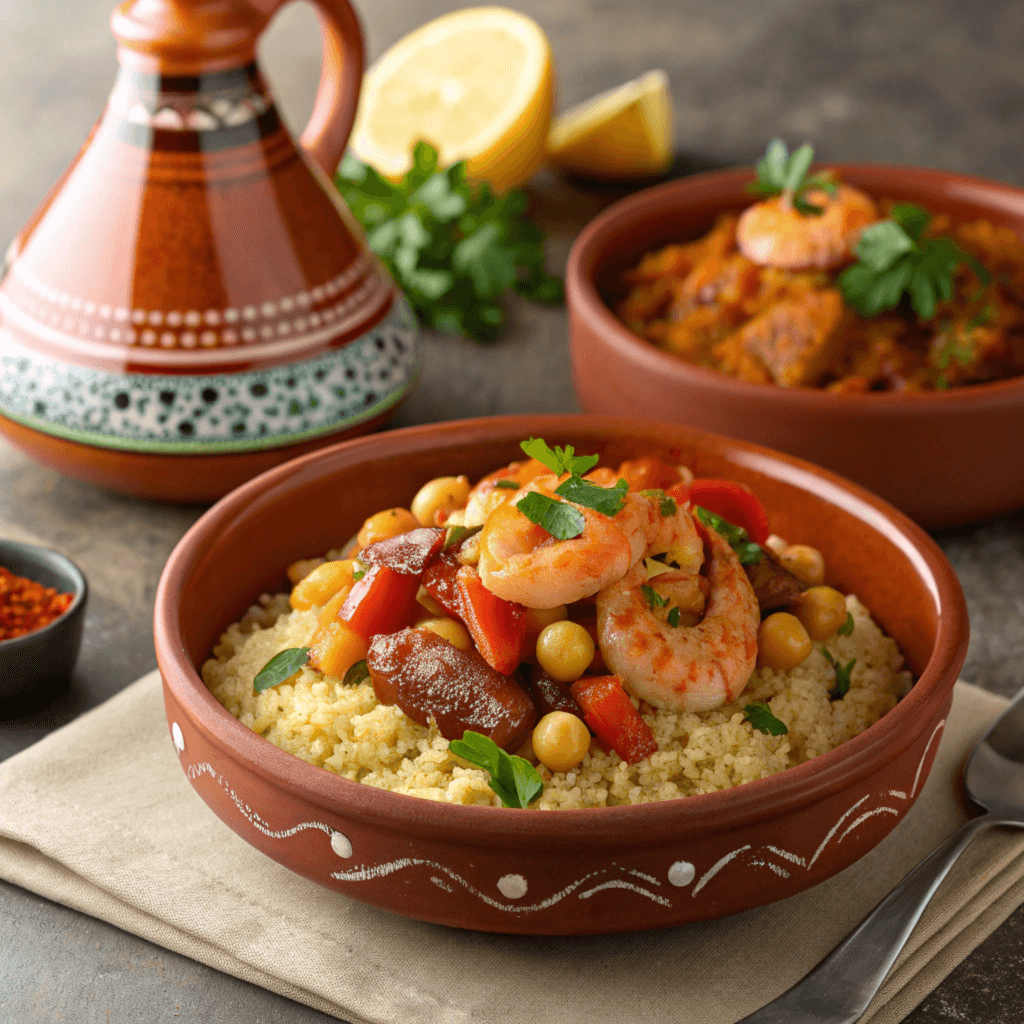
(943, 458)
(554, 872)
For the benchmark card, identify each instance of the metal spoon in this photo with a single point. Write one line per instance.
(839, 989)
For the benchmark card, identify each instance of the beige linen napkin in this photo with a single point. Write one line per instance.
(99, 816)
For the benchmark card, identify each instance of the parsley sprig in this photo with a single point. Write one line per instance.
(454, 250)
(513, 778)
(760, 716)
(894, 259)
(843, 673)
(560, 518)
(735, 536)
(779, 173)
(281, 666)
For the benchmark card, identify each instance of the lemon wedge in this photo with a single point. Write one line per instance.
(477, 84)
(623, 133)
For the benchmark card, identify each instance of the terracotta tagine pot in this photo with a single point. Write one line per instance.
(193, 303)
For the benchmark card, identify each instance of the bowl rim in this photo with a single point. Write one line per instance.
(583, 299)
(742, 805)
(41, 556)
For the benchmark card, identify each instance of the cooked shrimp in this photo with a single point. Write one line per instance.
(775, 234)
(520, 561)
(685, 667)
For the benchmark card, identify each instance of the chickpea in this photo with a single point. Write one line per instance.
(822, 610)
(335, 648)
(560, 741)
(385, 525)
(322, 584)
(565, 649)
(782, 641)
(452, 631)
(805, 563)
(444, 494)
(426, 600)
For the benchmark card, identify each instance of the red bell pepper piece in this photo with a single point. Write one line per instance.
(733, 502)
(383, 601)
(609, 712)
(499, 628)
(408, 553)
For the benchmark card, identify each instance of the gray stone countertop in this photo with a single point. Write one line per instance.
(932, 82)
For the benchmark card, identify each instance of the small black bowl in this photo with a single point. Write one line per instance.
(36, 668)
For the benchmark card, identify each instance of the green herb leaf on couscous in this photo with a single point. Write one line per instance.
(846, 629)
(842, 687)
(280, 667)
(516, 782)
(356, 674)
(760, 716)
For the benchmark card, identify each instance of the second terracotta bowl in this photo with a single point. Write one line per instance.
(944, 458)
(554, 872)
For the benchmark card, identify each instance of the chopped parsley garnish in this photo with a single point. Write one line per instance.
(652, 597)
(507, 485)
(606, 500)
(779, 173)
(667, 504)
(562, 520)
(559, 460)
(513, 778)
(356, 674)
(673, 616)
(280, 667)
(846, 629)
(895, 259)
(736, 537)
(457, 534)
(760, 716)
(842, 687)
(358, 574)
(455, 249)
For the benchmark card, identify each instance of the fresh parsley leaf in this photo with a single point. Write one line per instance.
(559, 460)
(606, 500)
(358, 574)
(513, 778)
(559, 518)
(760, 716)
(457, 534)
(507, 485)
(668, 505)
(454, 249)
(356, 674)
(842, 687)
(653, 598)
(779, 173)
(280, 667)
(846, 629)
(673, 616)
(894, 259)
(735, 536)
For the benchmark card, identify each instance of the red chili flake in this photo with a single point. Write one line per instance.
(26, 606)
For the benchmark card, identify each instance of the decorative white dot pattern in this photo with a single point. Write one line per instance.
(512, 887)
(682, 873)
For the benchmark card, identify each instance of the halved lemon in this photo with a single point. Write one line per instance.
(623, 133)
(477, 84)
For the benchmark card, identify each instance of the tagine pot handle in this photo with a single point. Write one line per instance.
(341, 78)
